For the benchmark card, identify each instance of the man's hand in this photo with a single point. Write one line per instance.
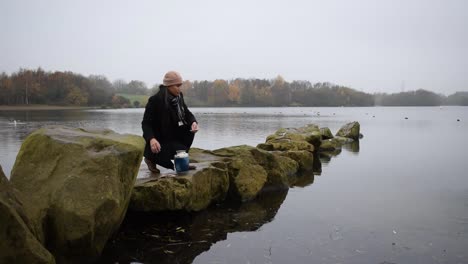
(194, 127)
(155, 146)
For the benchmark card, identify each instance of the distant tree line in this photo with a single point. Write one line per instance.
(59, 88)
(276, 92)
(68, 88)
(421, 98)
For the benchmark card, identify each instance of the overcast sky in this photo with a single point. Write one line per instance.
(369, 45)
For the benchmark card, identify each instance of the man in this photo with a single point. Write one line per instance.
(168, 125)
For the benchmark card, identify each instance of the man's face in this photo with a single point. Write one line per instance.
(174, 89)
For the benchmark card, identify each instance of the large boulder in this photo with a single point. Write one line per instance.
(17, 243)
(191, 191)
(311, 132)
(76, 186)
(246, 179)
(281, 170)
(350, 130)
(246, 176)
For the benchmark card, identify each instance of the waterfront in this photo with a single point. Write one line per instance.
(401, 198)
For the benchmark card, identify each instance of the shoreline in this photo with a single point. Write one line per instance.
(59, 107)
(43, 107)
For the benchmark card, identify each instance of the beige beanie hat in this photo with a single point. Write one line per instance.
(172, 78)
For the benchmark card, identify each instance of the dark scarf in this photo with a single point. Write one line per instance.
(176, 103)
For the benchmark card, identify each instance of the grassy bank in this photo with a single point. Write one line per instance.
(142, 99)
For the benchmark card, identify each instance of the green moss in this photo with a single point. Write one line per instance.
(326, 133)
(305, 159)
(247, 178)
(278, 168)
(330, 144)
(192, 192)
(17, 243)
(350, 130)
(71, 176)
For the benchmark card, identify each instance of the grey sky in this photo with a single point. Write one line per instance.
(369, 45)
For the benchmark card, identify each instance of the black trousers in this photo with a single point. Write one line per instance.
(183, 141)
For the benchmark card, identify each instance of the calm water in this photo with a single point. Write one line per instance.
(401, 197)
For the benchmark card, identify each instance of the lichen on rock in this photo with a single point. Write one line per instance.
(18, 243)
(76, 186)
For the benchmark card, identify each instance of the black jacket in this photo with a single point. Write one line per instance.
(158, 120)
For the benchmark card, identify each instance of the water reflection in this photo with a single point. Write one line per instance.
(179, 237)
(352, 147)
(305, 178)
(326, 156)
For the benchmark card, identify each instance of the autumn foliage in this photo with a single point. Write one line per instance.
(68, 88)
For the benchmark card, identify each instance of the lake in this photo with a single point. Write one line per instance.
(399, 196)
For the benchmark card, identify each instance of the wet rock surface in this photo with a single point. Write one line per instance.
(191, 191)
(75, 185)
(17, 242)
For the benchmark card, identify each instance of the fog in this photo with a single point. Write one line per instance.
(368, 45)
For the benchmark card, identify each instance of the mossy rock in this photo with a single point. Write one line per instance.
(76, 186)
(17, 243)
(290, 134)
(246, 179)
(233, 170)
(198, 155)
(326, 133)
(191, 191)
(305, 159)
(234, 151)
(350, 130)
(330, 144)
(246, 176)
(314, 138)
(286, 145)
(265, 146)
(279, 168)
(278, 141)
